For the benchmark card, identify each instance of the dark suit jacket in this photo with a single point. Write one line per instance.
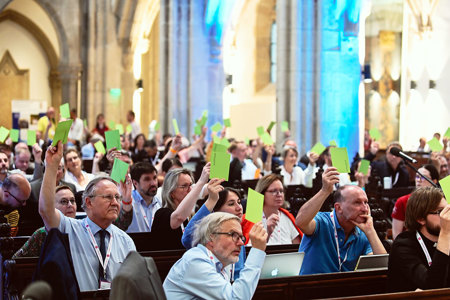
(55, 266)
(137, 279)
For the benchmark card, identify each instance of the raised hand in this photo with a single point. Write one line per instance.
(313, 157)
(54, 155)
(37, 153)
(214, 188)
(272, 222)
(329, 178)
(258, 236)
(205, 173)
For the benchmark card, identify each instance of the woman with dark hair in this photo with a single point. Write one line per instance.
(279, 223)
(138, 151)
(100, 126)
(220, 199)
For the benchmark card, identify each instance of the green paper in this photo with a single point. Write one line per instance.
(375, 134)
(119, 170)
(64, 110)
(198, 130)
(220, 165)
(31, 137)
(333, 143)
(435, 145)
(267, 139)
(255, 202)
(445, 185)
(129, 128)
(62, 132)
(203, 121)
(157, 126)
(339, 158)
(14, 135)
(112, 125)
(227, 122)
(113, 139)
(247, 141)
(216, 139)
(318, 148)
(364, 166)
(3, 134)
(175, 126)
(218, 147)
(100, 147)
(260, 131)
(284, 126)
(447, 133)
(85, 123)
(216, 127)
(120, 128)
(271, 126)
(225, 142)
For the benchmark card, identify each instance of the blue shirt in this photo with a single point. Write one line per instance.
(85, 259)
(198, 275)
(188, 235)
(138, 224)
(320, 247)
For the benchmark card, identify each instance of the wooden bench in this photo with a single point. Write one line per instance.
(428, 294)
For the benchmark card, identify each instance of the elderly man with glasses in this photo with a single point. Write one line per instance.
(14, 194)
(98, 246)
(204, 271)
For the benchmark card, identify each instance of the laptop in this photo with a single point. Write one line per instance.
(282, 265)
(372, 262)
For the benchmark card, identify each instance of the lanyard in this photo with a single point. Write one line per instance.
(396, 178)
(223, 272)
(97, 250)
(337, 244)
(424, 248)
(182, 227)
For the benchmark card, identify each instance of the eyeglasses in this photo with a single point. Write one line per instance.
(110, 198)
(21, 202)
(185, 187)
(236, 237)
(420, 178)
(65, 202)
(438, 212)
(275, 192)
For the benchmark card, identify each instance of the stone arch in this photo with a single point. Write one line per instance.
(265, 16)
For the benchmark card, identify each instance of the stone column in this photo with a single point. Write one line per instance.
(70, 74)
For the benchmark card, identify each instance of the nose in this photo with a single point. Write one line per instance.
(240, 243)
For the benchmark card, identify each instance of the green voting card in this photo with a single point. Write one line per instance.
(339, 158)
(3, 134)
(247, 141)
(318, 148)
(112, 125)
(64, 110)
(119, 170)
(62, 132)
(227, 122)
(220, 165)
(85, 123)
(225, 142)
(31, 137)
(333, 143)
(267, 139)
(445, 185)
(435, 145)
(157, 126)
(271, 126)
(99, 147)
(364, 166)
(447, 133)
(198, 130)
(260, 131)
(254, 209)
(375, 134)
(120, 128)
(284, 126)
(217, 140)
(14, 135)
(129, 128)
(113, 139)
(219, 147)
(175, 126)
(216, 127)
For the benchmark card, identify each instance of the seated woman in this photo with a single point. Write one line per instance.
(138, 151)
(179, 196)
(279, 223)
(74, 173)
(220, 199)
(292, 173)
(65, 202)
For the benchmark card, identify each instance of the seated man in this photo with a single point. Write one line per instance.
(89, 238)
(333, 241)
(14, 194)
(419, 257)
(204, 271)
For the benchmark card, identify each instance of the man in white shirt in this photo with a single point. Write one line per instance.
(135, 128)
(76, 130)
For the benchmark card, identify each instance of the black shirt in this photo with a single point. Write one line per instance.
(164, 236)
(408, 265)
(381, 168)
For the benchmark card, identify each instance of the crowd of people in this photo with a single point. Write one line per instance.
(168, 192)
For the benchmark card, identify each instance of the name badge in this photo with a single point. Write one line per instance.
(105, 285)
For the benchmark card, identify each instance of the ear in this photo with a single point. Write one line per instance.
(421, 221)
(88, 202)
(337, 207)
(135, 183)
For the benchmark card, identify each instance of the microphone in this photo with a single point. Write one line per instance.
(38, 290)
(397, 152)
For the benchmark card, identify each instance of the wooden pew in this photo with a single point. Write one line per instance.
(428, 294)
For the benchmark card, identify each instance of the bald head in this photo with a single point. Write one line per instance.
(16, 190)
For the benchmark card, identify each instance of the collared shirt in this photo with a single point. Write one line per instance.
(85, 260)
(70, 178)
(248, 169)
(139, 223)
(320, 247)
(198, 275)
(298, 176)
